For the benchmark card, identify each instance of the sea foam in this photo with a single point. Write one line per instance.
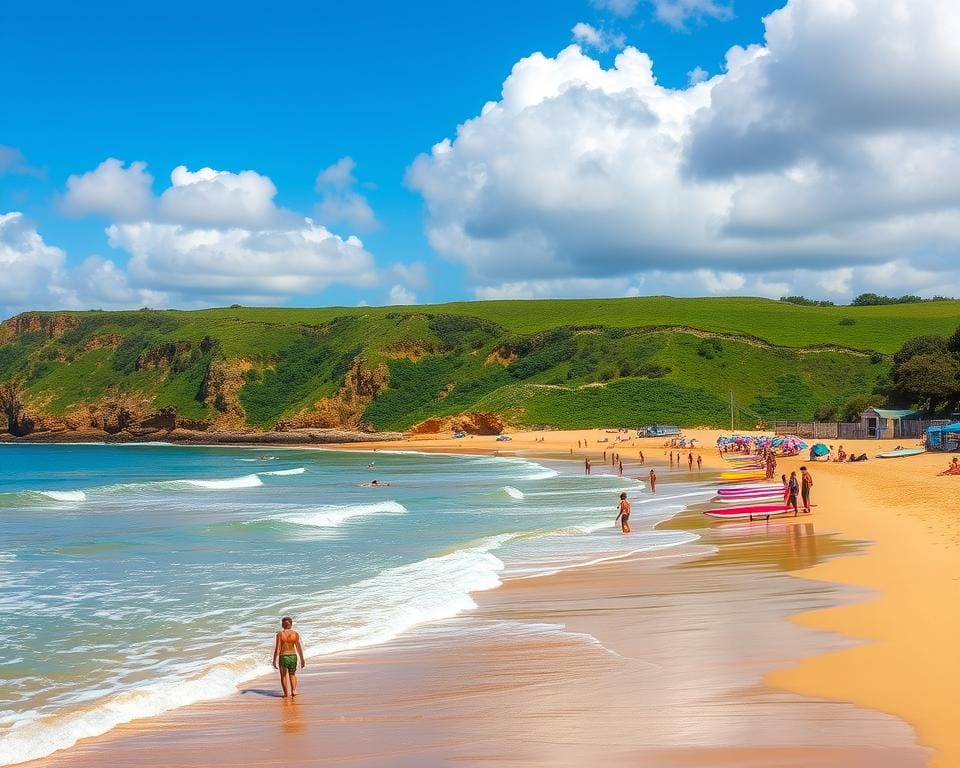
(358, 615)
(64, 495)
(333, 515)
(247, 481)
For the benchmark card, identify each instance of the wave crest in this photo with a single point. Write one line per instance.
(334, 515)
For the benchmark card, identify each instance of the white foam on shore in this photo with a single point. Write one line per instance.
(333, 515)
(359, 615)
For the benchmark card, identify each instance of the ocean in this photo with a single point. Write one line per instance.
(139, 578)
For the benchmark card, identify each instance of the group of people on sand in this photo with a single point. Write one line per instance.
(794, 487)
(690, 461)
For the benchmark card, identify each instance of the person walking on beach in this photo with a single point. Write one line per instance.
(793, 487)
(689, 462)
(653, 481)
(623, 515)
(641, 458)
(806, 483)
(286, 649)
(620, 467)
(699, 462)
(586, 466)
(671, 459)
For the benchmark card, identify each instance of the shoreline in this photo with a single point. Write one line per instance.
(575, 582)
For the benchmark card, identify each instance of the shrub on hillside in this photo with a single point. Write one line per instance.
(709, 348)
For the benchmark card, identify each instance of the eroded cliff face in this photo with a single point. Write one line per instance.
(345, 409)
(221, 391)
(52, 326)
(471, 423)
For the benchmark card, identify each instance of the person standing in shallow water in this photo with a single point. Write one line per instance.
(623, 517)
(286, 649)
(653, 481)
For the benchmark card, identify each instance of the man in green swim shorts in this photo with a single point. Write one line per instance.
(287, 648)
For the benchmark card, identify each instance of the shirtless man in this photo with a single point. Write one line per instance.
(653, 481)
(623, 517)
(287, 648)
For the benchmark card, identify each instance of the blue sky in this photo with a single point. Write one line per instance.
(287, 90)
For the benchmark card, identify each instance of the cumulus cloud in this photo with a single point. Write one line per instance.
(833, 146)
(36, 275)
(210, 198)
(28, 263)
(340, 202)
(212, 235)
(111, 190)
(259, 266)
(589, 36)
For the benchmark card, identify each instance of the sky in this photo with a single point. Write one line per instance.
(212, 153)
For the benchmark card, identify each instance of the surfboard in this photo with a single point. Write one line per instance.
(901, 452)
(749, 490)
(751, 511)
(767, 498)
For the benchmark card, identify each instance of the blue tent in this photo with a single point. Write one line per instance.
(819, 449)
(945, 437)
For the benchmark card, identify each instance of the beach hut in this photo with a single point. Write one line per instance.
(944, 437)
(887, 422)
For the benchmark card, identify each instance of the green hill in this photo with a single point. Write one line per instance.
(565, 363)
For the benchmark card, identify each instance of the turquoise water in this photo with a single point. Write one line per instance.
(138, 578)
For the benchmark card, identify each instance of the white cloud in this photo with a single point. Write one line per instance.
(260, 266)
(13, 162)
(570, 288)
(111, 190)
(340, 202)
(209, 198)
(621, 8)
(401, 295)
(676, 13)
(833, 147)
(211, 235)
(339, 175)
(27, 263)
(697, 75)
(36, 275)
(591, 37)
(720, 282)
(413, 274)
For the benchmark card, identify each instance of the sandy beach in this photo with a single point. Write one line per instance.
(826, 640)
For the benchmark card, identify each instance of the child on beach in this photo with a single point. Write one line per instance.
(623, 516)
(287, 648)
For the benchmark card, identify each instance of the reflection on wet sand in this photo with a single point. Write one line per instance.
(658, 661)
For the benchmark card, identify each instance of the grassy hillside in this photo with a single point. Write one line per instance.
(565, 363)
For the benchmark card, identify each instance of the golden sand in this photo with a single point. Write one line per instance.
(669, 660)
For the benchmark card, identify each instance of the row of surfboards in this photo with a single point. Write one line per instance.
(745, 493)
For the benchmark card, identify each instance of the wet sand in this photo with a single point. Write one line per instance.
(658, 660)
